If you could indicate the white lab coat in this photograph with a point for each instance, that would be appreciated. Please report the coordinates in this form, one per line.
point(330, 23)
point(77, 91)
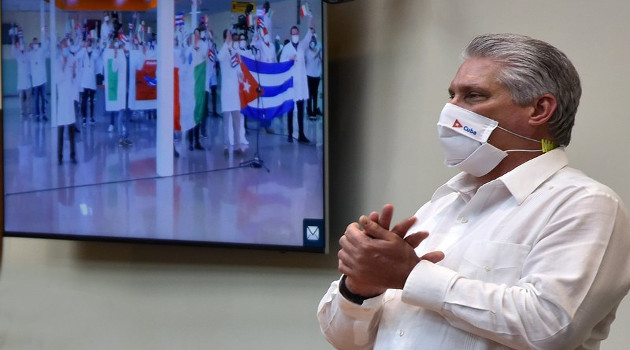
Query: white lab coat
point(66, 76)
point(314, 61)
point(289, 52)
point(88, 63)
point(23, 68)
point(186, 87)
point(211, 69)
point(264, 52)
point(37, 58)
point(230, 100)
point(106, 29)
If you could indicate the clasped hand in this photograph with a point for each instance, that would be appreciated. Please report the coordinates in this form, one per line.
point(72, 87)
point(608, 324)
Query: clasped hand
point(375, 258)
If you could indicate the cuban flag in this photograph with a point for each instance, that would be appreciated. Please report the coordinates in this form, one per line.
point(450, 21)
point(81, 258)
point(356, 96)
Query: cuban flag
point(260, 23)
point(276, 89)
point(179, 19)
point(235, 60)
point(212, 56)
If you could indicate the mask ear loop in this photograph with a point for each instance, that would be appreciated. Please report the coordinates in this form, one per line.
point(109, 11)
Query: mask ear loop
point(546, 145)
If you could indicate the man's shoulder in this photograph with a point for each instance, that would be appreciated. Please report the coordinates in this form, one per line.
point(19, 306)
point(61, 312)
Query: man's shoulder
point(575, 180)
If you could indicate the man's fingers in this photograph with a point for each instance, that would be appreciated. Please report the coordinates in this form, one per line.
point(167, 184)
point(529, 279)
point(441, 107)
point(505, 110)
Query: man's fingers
point(373, 229)
point(416, 238)
point(387, 213)
point(433, 257)
point(402, 227)
point(373, 216)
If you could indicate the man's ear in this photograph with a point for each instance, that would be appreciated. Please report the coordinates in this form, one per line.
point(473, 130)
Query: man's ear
point(544, 107)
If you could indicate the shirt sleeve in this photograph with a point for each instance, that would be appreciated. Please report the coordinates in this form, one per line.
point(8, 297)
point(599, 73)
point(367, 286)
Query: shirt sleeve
point(347, 325)
point(570, 282)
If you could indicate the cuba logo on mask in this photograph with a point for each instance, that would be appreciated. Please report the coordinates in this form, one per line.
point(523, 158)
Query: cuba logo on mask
point(468, 129)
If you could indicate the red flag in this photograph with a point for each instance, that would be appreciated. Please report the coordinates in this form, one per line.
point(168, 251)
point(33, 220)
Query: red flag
point(247, 87)
point(177, 126)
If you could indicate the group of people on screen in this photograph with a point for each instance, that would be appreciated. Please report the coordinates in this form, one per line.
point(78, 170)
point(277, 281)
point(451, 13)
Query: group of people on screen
point(88, 59)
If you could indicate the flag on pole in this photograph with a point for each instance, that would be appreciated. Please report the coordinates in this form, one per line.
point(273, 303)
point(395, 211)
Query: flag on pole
point(276, 89)
point(212, 56)
point(305, 11)
point(260, 23)
point(235, 60)
point(179, 19)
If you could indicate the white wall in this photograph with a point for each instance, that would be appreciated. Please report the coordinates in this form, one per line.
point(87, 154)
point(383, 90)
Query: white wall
point(390, 66)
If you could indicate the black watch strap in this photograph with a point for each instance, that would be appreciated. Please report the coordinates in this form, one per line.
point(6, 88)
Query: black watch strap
point(355, 298)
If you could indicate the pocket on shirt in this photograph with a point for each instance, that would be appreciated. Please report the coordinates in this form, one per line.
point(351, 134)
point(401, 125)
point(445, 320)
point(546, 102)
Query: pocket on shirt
point(495, 262)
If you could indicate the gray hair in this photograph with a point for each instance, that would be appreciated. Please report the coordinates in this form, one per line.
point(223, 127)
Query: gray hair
point(532, 68)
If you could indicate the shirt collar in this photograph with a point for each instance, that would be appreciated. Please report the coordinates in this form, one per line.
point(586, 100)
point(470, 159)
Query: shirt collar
point(527, 177)
point(521, 181)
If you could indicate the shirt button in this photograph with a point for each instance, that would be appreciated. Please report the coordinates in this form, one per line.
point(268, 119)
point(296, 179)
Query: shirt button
point(488, 268)
point(463, 219)
point(401, 332)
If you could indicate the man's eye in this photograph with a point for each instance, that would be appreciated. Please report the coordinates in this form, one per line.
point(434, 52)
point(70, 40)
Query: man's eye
point(474, 96)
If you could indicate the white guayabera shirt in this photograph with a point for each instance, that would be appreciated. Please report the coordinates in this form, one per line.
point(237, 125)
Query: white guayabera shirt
point(537, 259)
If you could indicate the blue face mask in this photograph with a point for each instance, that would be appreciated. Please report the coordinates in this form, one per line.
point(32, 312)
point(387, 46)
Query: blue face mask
point(65, 52)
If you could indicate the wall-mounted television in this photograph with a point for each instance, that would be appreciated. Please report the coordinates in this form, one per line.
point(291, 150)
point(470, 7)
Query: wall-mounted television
point(238, 179)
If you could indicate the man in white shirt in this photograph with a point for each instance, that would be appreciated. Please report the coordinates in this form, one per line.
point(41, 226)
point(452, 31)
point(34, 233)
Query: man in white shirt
point(37, 56)
point(24, 85)
point(313, 58)
point(295, 51)
point(518, 251)
point(87, 61)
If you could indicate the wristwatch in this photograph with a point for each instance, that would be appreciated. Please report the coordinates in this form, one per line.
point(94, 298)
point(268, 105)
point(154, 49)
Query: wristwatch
point(355, 298)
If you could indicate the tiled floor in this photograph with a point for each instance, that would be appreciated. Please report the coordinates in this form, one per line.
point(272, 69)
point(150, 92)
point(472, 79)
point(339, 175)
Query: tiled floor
point(114, 191)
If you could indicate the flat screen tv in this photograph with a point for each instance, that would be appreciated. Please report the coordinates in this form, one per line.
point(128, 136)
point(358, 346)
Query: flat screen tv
point(267, 191)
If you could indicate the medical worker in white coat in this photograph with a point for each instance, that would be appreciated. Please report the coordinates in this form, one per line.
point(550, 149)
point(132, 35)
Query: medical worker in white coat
point(37, 57)
point(265, 51)
point(18, 49)
point(87, 59)
point(229, 60)
point(295, 51)
point(65, 66)
point(313, 75)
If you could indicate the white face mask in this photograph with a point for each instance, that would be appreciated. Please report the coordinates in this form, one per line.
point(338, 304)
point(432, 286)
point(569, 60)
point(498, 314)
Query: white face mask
point(242, 44)
point(295, 39)
point(464, 137)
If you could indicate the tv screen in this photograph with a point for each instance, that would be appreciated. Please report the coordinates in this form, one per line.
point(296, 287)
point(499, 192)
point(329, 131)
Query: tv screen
point(246, 151)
